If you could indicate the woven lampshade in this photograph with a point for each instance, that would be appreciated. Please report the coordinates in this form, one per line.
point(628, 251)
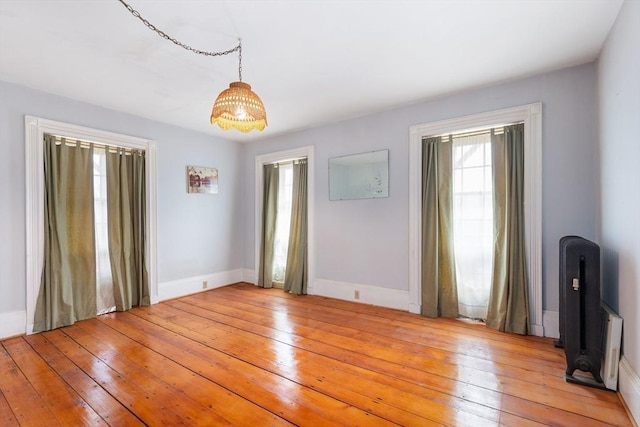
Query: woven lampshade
point(238, 107)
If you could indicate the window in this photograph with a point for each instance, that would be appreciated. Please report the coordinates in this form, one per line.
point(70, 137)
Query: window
point(283, 157)
point(35, 127)
point(473, 222)
point(283, 222)
point(105, 301)
point(531, 115)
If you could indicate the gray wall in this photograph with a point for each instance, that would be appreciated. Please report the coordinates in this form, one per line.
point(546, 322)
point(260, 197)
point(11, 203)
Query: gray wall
point(197, 234)
point(619, 144)
point(366, 241)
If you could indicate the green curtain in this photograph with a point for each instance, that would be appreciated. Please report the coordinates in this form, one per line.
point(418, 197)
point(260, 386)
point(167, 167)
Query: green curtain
point(295, 278)
point(508, 303)
point(68, 283)
point(271, 178)
point(126, 224)
point(439, 292)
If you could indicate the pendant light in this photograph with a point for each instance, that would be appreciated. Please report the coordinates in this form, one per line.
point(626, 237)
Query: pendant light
point(236, 107)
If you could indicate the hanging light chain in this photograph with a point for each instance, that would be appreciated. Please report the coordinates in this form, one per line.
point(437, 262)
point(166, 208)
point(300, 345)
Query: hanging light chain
point(240, 60)
point(165, 36)
point(237, 107)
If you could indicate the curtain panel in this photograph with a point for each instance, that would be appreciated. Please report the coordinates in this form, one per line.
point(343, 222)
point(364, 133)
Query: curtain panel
point(126, 226)
point(68, 290)
point(439, 293)
point(271, 179)
point(508, 309)
point(296, 276)
point(68, 283)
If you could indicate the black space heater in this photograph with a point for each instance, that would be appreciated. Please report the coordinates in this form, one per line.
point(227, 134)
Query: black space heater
point(580, 316)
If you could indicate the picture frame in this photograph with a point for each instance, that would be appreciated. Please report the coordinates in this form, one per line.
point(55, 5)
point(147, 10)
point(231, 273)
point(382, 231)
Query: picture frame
point(202, 180)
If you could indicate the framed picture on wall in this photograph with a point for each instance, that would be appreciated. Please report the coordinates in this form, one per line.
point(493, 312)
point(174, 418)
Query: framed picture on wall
point(202, 180)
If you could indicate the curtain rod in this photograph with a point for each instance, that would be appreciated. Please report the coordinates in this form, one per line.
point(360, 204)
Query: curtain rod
point(85, 144)
point(286, 161)
point(476, 132)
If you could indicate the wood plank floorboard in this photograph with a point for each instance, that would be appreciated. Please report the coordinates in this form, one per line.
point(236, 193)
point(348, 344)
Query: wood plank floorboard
point(242, 355)
point(26, 404)
point(6, 414)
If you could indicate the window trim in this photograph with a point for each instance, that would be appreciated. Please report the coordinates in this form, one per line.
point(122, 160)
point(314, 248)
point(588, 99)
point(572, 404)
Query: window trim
point(280, 157)
point(531, 115)
point(35, 128)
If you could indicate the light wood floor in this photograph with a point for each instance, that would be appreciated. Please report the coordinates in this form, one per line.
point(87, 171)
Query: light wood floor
point(242, 355)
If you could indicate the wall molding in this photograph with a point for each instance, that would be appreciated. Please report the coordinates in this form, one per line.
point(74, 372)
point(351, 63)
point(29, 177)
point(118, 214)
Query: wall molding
point(531, 114)
point(192, 285)
point(375, 295)
point(629, 388)
point(249, 276)
point(12, 323)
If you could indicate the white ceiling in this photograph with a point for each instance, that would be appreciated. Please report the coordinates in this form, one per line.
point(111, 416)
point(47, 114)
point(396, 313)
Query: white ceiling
point(311, 62)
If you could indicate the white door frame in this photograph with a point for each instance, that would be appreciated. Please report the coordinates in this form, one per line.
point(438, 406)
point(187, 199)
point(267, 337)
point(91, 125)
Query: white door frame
point(35, 128)
point(278, 157)
point(531, 115)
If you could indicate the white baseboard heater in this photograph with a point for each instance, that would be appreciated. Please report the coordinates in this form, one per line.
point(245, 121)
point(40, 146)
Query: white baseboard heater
point(612, 337)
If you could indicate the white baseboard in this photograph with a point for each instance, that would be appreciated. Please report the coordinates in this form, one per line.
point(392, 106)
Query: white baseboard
point(249, 276)
point(192, 285)
point(394, 298)
point(13, 323)
point(536, 330)
point(629, 388)
point(383, 297)
point(551, 323)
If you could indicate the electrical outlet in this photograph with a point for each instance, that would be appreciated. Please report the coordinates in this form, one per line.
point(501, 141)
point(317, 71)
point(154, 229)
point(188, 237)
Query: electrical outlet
point(205, 284)
point(356, 294)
